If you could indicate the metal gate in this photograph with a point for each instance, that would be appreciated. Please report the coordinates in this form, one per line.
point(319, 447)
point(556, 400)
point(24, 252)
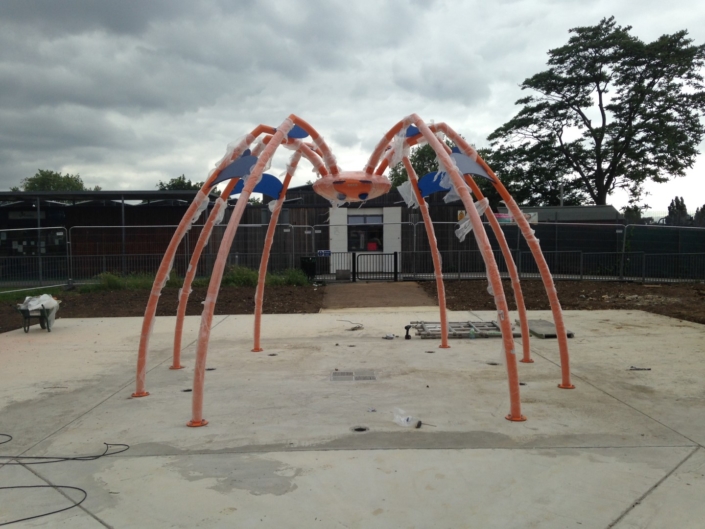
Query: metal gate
point(376, 267)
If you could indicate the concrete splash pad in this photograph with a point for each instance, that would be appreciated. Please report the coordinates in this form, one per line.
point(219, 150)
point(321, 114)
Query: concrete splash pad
point(280, 451)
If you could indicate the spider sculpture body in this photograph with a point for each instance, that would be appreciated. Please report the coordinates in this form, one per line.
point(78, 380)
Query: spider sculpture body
point(243, 169)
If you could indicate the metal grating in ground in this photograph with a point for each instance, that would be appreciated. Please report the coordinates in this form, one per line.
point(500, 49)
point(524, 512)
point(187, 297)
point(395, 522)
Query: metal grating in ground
point(353, 376)
point(460, 329)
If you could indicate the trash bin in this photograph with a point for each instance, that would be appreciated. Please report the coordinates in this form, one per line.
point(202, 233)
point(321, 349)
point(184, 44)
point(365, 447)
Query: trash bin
point(308, 265)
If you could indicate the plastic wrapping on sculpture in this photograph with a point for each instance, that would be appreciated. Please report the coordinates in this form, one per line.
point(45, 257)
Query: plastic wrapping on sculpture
point(203, 204)
point(328, 158)
point(465, 224)
point(407, 193)
point(220, 207)
point(220, 215)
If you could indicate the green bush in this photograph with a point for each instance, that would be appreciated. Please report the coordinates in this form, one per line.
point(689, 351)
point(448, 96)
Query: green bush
point(234, 276)
point(292, 276)
point(239, 276)
point(200, 282)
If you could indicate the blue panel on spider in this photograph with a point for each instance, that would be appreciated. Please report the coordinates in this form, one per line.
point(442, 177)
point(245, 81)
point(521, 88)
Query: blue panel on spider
point(429, 184)
point(237, 169)
point(469, 166)
point(411, 131)
point(297, 133)
point(269, 185)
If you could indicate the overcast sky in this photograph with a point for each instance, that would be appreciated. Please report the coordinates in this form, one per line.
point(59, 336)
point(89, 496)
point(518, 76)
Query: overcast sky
point(127, 93)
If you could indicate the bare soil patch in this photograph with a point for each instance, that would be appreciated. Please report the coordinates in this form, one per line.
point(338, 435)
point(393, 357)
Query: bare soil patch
point(231, 300)
point(685, 301)
point(376, 294)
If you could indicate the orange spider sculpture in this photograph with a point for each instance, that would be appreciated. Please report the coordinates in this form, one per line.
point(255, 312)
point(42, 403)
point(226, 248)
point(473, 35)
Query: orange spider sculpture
point(242, 168)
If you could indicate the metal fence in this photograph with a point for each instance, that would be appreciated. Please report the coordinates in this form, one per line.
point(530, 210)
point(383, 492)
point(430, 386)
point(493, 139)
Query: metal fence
point(47, 256)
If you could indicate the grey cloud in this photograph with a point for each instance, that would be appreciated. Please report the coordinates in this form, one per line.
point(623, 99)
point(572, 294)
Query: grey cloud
point(69, 16)
point(127, 93)
point(444, 79)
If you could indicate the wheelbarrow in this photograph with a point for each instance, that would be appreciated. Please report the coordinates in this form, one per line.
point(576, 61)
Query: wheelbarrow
point(42, 308)
point(41, 314)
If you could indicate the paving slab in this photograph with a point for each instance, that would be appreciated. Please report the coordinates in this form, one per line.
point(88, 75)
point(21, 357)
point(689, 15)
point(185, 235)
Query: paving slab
point(677, 502)
point(281, 445)
point(22, 502)
point(609, 343)
point(390, 488)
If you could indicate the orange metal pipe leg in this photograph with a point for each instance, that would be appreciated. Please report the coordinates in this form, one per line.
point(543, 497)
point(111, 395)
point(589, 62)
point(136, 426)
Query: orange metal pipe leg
point(535, 251)
point(159, 281)
point(261, 280)
point(492, 269)
point(433, 244)
point(217, 274)
point(513, 272)
point(168, 259)
point(191, 272)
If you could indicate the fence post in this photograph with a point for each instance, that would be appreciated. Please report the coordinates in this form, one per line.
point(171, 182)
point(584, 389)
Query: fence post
point(354, 267)
point(643, 268)
point(124, 253)
point(69, 253)
point(396, 267)
point(413, 254)
point(39, 242)
point(293, 244)
point(624, 245)
point(519, 263)
point(581, 266)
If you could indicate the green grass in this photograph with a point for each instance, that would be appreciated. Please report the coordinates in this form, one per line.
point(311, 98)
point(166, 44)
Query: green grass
point(234, 276)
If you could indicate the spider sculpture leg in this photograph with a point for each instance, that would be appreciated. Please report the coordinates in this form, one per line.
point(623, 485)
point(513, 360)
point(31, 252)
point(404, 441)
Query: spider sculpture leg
point(512, 269)
point(535, 248)
point(259, 293)
point(482, 242)
point(435, 254)
point(495, 280)
point(203, 237)
point(219, 267)
point(190, 216)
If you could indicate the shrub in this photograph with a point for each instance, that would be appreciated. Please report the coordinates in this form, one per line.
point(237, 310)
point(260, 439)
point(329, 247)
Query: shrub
point(239, 276)
point(295, 277)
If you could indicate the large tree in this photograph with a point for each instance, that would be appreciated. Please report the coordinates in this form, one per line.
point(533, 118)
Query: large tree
point(611, 112)
point(45, 180)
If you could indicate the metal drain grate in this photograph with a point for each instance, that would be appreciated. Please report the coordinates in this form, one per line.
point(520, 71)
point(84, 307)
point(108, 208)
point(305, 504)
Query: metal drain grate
point(349, 376)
